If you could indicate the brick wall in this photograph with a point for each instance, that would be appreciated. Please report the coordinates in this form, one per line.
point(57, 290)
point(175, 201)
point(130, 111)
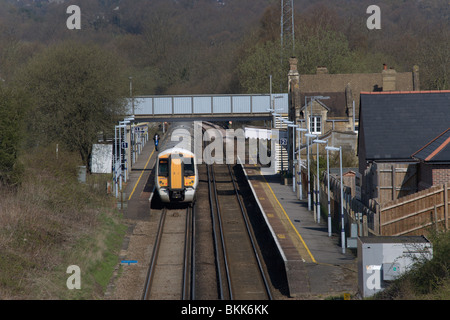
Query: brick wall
point(441, 174)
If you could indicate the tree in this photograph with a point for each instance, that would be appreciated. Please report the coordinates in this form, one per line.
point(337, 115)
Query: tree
point(324, 47)
point(76, 90)
point(11, 117)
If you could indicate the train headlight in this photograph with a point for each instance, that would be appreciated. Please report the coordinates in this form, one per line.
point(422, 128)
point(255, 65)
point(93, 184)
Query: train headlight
point(163, 182)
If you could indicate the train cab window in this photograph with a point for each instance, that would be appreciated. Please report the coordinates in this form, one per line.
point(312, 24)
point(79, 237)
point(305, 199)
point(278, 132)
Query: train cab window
point(163, 169)
point(189, 169)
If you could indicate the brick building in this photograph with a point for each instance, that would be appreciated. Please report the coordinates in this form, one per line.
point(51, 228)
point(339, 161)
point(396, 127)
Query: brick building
point(403, 143)
point(337, 117)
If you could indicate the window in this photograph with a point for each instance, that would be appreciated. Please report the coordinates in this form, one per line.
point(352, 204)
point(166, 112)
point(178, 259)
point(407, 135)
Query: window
point(315, 124)
point(189, 169)
point(163, 169)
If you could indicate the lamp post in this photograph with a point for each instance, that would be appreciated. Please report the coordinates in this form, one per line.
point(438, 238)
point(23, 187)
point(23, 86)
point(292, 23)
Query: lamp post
point(118, 160)
point(317, 141)
point(122, 124)
point(309, 135)
point(342, 196)
point(328, 192)
point(294, 127)
point(300, 130)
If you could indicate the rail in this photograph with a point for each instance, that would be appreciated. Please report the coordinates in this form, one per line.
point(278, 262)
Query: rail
point(237, 258)
point(167, 234)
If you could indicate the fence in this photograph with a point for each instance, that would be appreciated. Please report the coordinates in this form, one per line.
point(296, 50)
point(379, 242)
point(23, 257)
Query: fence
point(415, 214)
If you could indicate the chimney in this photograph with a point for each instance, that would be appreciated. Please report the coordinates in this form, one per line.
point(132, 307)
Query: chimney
point(293, 75)
point(293, 64)
point(389, 78)
point(293, 89)
point(321, 70)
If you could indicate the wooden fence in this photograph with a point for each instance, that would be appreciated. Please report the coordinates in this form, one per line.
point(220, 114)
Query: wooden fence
point(415, 214)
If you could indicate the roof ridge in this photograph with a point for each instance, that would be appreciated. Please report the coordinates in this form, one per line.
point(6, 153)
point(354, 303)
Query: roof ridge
point(405, 92)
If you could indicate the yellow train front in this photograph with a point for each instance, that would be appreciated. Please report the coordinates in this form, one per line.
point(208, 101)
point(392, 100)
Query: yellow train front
point(176, 169)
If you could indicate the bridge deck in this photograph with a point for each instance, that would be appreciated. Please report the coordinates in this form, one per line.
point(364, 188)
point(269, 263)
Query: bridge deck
point(207, 107)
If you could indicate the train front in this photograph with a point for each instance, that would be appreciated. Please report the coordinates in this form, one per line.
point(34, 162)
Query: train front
point(177, 176)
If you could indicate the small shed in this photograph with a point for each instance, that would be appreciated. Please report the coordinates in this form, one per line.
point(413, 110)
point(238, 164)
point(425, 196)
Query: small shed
point(385, 258)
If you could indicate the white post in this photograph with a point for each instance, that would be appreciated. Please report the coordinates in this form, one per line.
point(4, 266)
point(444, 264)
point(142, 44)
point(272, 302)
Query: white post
point(309, 183)
point(115, 161)
point(342, 198)
point(308, 135)
point(300, 130)
point(328, 192)
point(293, 157)
point(342, 203)
point(318, 186)
point(318, 180)
point(294, 127)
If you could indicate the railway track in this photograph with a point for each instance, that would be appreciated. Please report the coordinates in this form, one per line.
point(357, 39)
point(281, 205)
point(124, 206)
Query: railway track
point(239, 270)
point(171, 275)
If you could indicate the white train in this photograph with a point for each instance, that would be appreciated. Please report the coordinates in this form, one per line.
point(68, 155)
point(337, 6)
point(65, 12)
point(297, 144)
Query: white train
point(176, 177)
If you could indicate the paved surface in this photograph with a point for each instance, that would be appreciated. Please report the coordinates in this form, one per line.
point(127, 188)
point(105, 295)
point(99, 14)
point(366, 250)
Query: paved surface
point(140, 184)
point(315, 264)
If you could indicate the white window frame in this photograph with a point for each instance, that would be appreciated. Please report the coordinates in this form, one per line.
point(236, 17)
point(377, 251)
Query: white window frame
point(315, 124)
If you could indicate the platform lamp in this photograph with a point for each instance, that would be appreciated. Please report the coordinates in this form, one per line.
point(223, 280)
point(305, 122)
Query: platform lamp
point(308, 136)
point(300, 130)
point(125, 124)
point(294, 127)
point(317, 141)
point(342, 197)
point(118, 160)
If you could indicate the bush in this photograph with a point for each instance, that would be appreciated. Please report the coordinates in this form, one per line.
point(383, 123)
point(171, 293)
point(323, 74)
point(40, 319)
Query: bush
point(428, 279)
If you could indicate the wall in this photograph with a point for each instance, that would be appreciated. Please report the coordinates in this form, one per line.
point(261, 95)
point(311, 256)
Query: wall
point(441, 174)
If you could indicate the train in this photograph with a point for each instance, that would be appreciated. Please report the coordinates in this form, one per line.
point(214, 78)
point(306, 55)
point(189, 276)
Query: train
point(176, 175)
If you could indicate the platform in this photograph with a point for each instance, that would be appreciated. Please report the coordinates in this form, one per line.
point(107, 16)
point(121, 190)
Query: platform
point(140, 185)
point(314, 262)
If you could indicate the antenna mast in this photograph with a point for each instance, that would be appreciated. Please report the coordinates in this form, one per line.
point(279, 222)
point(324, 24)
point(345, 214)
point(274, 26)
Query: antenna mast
point(287, 25)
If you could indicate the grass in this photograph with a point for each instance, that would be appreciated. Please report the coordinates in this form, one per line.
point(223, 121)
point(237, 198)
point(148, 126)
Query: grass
point(52, 221)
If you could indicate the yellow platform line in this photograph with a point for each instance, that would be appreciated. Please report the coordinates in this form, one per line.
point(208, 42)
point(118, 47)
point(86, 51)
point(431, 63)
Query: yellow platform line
point(290, 222)
point(141, 175)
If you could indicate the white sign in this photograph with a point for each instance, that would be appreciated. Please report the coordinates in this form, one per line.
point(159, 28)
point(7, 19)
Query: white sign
point(101, 161)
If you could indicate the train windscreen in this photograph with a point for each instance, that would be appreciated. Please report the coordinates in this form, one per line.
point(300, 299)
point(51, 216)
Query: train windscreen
point(163, 169)
point(189, 169)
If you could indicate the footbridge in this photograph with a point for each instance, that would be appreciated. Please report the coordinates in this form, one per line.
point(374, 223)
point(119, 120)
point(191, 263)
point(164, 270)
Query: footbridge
point(207, 107)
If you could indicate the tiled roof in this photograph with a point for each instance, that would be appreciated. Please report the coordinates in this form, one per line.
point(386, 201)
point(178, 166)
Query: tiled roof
point(436, 150)
point(394, 125)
